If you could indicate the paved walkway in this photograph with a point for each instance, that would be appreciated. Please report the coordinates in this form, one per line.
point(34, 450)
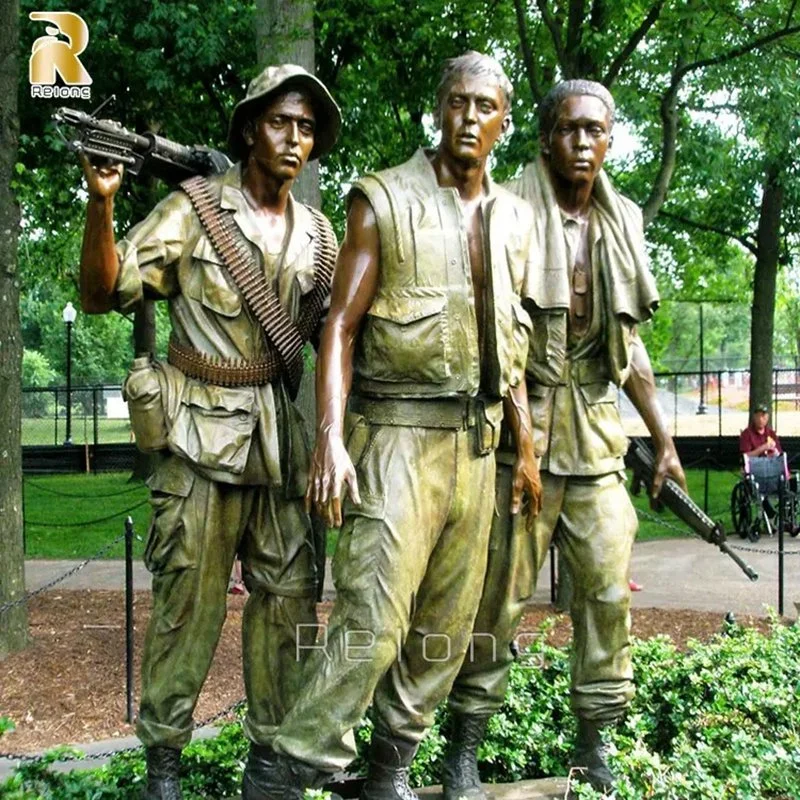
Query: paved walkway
point(675, 573)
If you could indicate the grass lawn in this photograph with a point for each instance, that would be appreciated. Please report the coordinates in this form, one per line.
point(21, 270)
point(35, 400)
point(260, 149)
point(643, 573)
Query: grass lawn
point(43, 430)
point(61, 512)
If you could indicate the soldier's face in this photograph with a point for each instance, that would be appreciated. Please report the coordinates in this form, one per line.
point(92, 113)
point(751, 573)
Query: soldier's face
point(577, 144)
point(282, 137)
point(473, 117)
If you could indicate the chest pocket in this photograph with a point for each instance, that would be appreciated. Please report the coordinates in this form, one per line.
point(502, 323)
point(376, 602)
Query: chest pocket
point(206, 281)
point(405, 338)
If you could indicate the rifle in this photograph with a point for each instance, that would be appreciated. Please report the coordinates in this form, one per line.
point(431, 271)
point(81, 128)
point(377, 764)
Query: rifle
point(106, 139)
point(676, 500)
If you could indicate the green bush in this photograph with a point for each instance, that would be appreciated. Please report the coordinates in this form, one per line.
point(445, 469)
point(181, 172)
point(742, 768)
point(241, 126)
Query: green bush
point(720, 720)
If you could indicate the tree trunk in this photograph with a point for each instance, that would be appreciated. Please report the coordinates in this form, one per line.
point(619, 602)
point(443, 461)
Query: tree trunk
point(14, 622)
point(285, 35)
point(764, 281)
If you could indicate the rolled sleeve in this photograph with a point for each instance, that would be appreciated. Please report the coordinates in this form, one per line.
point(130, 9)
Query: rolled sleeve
point(149, 254)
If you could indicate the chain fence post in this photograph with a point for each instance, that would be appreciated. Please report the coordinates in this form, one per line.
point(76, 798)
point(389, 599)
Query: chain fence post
point(129, 616)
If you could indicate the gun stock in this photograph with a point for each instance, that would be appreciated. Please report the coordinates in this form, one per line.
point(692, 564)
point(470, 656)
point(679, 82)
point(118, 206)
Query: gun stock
point(676, 500)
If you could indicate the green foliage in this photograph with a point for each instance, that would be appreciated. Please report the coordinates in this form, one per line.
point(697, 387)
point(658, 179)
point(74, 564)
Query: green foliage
point(717, 721)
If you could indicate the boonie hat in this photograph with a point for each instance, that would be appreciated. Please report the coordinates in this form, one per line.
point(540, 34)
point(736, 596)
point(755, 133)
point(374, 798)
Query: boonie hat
point(286, 78)
point(761, 409)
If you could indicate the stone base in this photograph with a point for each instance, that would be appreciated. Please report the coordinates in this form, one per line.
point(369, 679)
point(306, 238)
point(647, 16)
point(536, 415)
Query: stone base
point(542, 789)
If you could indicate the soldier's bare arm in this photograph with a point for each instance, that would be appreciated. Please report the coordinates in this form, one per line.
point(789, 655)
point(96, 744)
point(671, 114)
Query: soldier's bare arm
point(641, 389)
point(354, 284)
point(526, 468)
point(99, 262)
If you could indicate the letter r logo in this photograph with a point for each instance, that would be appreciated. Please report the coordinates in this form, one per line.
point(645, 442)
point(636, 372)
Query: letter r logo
point(51, 55)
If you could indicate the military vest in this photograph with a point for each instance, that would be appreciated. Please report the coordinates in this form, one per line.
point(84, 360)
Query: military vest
point(420, 335)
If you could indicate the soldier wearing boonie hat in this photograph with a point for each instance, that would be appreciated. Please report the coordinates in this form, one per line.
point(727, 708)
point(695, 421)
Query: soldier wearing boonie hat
point(234, 451)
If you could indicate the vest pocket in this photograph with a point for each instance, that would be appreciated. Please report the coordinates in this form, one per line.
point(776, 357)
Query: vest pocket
point(404, 338)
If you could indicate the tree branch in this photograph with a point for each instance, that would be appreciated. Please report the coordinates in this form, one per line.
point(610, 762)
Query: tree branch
point(555, 32)
point(527, 52)
point(736, 52)
point(704, 226)
point(215, 101)
point(633, 42)
point(575, 14)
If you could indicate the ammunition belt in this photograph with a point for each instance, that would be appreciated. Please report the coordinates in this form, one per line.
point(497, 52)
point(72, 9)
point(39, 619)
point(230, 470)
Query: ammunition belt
point(222, 371)
point(285, 338)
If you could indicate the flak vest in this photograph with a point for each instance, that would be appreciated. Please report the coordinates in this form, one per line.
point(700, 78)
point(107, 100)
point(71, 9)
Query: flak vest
point(420, 335)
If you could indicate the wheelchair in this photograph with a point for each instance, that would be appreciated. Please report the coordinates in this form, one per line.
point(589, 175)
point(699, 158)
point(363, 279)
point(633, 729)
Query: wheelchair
point(755, 500)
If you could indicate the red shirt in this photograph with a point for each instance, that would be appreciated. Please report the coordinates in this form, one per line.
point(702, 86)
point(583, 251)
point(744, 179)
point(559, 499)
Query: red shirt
point(750, 439)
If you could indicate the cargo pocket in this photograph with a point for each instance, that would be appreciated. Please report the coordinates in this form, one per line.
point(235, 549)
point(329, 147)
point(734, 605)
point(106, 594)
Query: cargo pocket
point(171, 545)
point(548, 346)
point(405, 338)
point(214, 427)
point(540, 399)
point(602, 412)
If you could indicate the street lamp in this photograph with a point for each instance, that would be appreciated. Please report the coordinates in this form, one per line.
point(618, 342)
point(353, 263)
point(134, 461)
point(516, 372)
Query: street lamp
point(69, 314)
point(702, 408)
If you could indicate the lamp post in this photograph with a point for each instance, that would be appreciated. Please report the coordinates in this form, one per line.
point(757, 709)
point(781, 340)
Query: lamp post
point(702, 408)
point(69, 314)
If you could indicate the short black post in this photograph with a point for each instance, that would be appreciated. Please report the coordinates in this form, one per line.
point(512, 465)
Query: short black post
point(781, 525)
point(129, 615)
point(705, 484)
point(553, 576)
point(95, 422)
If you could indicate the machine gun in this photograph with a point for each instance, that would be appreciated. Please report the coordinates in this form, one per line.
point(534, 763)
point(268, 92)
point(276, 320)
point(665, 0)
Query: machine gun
point(145, 153)
point(676, 500)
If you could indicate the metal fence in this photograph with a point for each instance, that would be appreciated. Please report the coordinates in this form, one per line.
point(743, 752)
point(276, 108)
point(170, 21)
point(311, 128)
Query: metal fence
point(100, 416)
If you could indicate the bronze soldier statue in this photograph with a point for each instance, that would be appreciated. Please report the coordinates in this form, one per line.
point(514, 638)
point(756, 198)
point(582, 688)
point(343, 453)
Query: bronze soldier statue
point(588, 289)
point(424, 338)
point(245, 270)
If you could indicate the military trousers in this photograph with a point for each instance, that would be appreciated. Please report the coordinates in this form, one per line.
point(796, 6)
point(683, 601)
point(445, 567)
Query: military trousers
point(198, 526)
point(408, 569)
point(594, 525)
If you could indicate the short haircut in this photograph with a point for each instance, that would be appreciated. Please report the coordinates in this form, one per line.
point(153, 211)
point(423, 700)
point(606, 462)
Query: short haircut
point(471, 63)
point(548, 108)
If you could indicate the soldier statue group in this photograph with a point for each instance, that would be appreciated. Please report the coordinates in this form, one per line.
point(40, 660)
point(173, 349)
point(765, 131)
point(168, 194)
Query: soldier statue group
point(471, 342)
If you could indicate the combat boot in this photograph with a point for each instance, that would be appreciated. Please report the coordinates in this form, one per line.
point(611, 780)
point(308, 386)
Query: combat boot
point(163, 774)
point(589, 757)
point(387, 778)
point(460, 776)
point(273, 776)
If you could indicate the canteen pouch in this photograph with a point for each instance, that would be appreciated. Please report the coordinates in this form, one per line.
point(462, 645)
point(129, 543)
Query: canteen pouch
point(143, 392)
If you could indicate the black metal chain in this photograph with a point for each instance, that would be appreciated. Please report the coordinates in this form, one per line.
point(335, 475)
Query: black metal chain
point(684, 531)
point(29, 757)
point(87, 523)
point(42, 488)
point(26, 597)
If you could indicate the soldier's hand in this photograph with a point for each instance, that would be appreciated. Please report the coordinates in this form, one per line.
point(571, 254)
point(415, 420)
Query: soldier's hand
point(331, 470)
point(668, 465)
point(102, 181)
point(526, 481)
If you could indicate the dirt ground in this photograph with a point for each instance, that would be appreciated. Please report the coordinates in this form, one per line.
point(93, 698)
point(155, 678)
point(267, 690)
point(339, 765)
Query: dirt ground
point(68, 687)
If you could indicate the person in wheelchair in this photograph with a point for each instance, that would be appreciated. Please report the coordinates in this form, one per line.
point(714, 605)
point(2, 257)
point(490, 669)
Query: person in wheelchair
point(758, 439)
point(764, 462)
